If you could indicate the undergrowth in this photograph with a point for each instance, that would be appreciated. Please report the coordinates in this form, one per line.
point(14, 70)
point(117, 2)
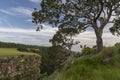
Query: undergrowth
point(92, 68)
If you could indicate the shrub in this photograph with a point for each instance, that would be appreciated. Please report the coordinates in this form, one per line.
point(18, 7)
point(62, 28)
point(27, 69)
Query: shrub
point(88, 51)
point(22, 49)
point(117, 45)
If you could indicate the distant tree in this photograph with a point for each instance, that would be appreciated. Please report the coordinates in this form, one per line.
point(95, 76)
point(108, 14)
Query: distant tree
point(80, 14)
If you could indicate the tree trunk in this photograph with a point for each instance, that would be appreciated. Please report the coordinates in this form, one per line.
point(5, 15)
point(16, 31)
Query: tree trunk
point(99, 40)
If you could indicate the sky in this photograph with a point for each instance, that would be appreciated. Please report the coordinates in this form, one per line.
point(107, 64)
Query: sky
point(16, 26)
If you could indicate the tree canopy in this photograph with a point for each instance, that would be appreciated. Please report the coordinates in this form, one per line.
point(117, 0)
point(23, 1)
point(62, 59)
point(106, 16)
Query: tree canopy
point(64, 37)
point(80, 14)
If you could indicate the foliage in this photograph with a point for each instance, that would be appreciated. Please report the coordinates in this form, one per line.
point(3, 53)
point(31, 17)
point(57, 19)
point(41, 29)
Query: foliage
point(117, 45)
point(93, 68)
point(22, 49)
point(79, 15)
point(64, 38)
point(52, 59)
point(115, 30)
point(88, 51)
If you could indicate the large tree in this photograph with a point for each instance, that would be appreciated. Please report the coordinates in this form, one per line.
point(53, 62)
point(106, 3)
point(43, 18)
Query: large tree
point(80, 14)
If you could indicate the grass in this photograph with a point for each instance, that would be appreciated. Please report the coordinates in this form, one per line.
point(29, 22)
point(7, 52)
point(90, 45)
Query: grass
point(13, 52)
point(92, 69)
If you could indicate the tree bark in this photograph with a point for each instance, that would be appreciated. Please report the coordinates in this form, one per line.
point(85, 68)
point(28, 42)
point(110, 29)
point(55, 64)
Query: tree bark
point(99, 40)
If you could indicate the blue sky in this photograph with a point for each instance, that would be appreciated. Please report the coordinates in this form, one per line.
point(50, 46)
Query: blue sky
point(16, 26)
point(17, 13)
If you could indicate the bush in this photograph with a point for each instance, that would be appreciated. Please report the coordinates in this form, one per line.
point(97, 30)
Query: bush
point(92, 68)
point(88, 51)
point(22, 49)
point(35, 50)
point(117, 45)
point(77, 55)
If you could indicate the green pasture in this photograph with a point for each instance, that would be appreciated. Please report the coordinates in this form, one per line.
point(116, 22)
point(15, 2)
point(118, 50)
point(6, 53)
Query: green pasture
point(14, 52)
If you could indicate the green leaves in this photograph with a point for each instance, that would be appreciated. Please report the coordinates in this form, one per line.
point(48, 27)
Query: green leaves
point(64, 37)
point(115, 30)
point(77, 15)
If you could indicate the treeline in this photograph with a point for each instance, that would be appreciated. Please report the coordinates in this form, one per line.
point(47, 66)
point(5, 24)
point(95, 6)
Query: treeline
point(23, 47)
point(15, 45)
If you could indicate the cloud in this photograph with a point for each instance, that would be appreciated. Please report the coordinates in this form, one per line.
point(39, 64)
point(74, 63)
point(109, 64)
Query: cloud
point(6, 12)
point(35, 1)
point(27, 36)
point(88, 38)
point(22, 10)
point(29, 20)
point(45, 31)
point(6, 22)
point(30, 36)
point(18, 11)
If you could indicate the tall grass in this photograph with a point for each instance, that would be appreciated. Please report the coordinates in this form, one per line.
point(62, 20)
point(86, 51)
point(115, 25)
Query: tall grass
point(92, 69)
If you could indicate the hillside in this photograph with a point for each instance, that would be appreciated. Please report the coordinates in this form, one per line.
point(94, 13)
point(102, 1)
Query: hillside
point(105, 66)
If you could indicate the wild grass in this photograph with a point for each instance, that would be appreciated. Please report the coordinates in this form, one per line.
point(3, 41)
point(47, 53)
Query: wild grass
point(13, 52)
point(92, 69)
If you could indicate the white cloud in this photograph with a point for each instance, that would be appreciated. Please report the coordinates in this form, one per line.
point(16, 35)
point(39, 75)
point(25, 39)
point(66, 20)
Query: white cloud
point(22, 10)
point(30, 36)
point(6, 12)
point(35, 1)
point(18, 11)
point(29, 20)
point(45, 32)
point(27, 36)
point(89, 38)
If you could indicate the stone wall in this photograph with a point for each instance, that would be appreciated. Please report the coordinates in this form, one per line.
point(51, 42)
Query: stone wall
point(20, 68)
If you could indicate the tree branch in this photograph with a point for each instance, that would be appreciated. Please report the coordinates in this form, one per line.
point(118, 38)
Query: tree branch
point(116, 7)
point(108, 18)
point(98, 15)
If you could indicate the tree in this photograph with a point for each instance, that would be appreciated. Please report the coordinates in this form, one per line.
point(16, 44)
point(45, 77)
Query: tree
point(52, 59)
point(80, 14)
point(64, 38)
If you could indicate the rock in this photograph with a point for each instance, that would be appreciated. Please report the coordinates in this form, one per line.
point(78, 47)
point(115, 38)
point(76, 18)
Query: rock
point(26, 67)
point(107, 58)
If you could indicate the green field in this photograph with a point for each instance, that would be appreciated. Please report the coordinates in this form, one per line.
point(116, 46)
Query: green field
point(13, 52)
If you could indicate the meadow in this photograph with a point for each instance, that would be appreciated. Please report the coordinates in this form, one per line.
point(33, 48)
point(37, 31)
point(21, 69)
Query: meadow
point(4, 52)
